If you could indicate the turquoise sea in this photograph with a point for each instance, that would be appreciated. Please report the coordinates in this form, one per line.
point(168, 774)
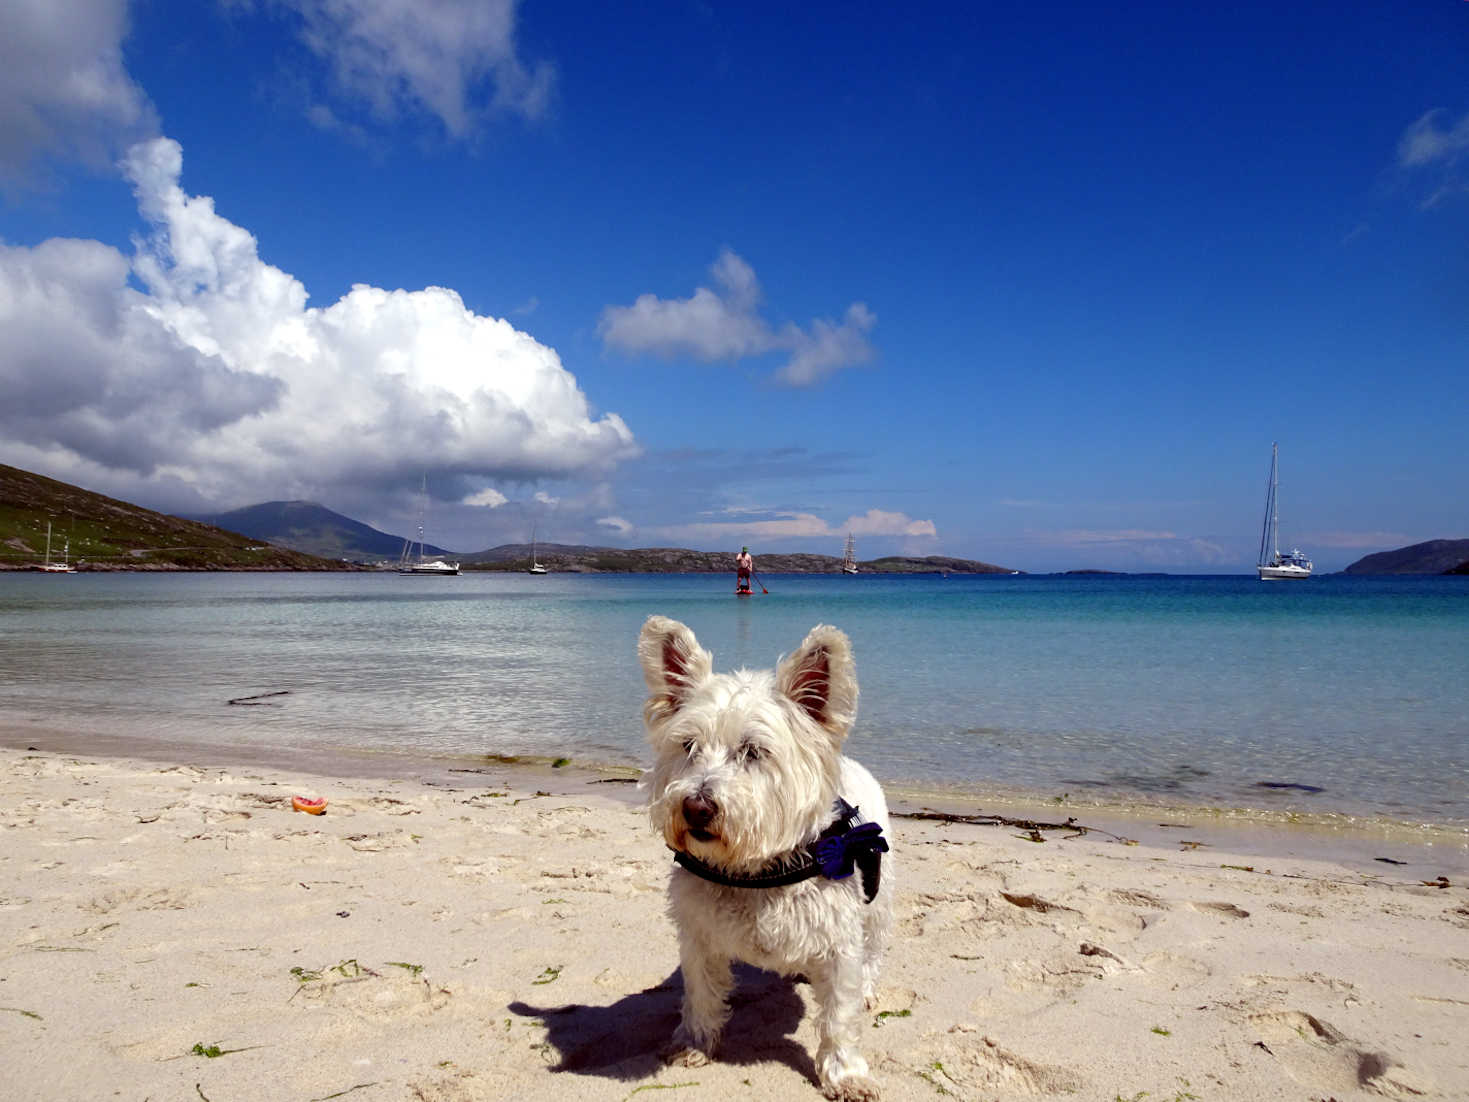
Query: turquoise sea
point(1339, 694)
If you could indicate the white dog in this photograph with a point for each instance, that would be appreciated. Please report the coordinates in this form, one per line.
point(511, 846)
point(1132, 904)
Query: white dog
point(778, 837)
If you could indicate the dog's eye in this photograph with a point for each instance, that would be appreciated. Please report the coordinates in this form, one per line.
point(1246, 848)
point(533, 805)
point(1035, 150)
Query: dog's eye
point(688, 747)
point(749, 752)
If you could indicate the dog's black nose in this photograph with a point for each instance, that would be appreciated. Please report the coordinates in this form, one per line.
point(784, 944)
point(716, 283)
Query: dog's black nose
point(699, 811)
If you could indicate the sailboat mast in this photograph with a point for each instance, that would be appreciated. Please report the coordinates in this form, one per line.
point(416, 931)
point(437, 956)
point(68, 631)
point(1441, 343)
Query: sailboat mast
point(1275, 499)
point(48, 543)
point(1266, 527)
point(1277, 566)
point(422, 512)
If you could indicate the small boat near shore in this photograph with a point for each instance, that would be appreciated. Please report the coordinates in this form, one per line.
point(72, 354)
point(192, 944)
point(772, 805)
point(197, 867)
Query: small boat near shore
point(535, 567)
point(60, 566)
point(1274, 566)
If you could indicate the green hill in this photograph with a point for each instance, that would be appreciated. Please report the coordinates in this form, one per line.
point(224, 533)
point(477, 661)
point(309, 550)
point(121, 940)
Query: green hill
point(106, 534)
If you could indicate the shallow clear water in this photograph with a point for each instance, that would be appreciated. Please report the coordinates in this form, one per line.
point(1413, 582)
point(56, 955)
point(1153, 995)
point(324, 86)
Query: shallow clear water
point(1198, 690)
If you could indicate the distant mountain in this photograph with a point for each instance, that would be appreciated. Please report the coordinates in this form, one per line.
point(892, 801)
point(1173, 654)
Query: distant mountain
point(1433, 557)
point(314, 529)
point(107, 534)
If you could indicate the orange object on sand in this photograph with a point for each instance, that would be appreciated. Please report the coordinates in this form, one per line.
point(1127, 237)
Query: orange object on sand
point(312, 805)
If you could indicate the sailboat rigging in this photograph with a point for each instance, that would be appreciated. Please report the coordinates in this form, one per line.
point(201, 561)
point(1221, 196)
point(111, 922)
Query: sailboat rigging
point(1272, 565)
point(63, 565)
point(535, 567)
point(417, 563)
point(849, 555)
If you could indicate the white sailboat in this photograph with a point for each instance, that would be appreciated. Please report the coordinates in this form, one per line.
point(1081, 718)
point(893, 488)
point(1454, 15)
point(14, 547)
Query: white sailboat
point(535, 567)
point(416, 562)
point(64, 565)
point(1272, 565)
point(849, 556)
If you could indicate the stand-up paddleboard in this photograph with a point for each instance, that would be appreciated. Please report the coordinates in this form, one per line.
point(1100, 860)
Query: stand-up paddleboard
point(743, 593)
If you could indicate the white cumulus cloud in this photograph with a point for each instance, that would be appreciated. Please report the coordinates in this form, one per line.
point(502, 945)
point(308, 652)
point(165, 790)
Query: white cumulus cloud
point(725, 324)
point(617, 524)
point(218, 380)
point(456, 60)
point(488, 497)
point(64, 90)
point(876, 522)
point(86, 367)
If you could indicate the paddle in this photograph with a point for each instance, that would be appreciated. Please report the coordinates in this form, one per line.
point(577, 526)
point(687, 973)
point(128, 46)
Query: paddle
point(759, 583)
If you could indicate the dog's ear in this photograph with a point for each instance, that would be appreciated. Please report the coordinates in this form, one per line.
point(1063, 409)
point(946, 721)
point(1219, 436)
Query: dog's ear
point(821, 679)
point(673, 664)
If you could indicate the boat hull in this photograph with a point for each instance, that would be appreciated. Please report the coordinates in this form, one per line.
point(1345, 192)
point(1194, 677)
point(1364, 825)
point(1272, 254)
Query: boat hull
point(1283, 573)
point(430, 569)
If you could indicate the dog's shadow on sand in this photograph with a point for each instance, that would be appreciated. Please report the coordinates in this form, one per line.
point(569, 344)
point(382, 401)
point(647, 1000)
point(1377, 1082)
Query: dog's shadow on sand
point(625, 1040)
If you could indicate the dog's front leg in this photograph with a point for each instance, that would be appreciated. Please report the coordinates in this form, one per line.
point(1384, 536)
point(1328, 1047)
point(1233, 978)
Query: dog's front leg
point(707, 981)
point(839, 1060)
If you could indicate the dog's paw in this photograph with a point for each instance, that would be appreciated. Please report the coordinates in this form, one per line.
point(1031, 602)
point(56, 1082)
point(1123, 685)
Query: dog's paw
point(852, 1088)
point(684, 1056)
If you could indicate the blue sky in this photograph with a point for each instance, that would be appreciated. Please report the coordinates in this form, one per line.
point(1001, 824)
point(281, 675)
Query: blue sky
point(1037, 285)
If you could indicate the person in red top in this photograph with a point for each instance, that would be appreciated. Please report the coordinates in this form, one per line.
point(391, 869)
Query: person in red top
point(744, 567)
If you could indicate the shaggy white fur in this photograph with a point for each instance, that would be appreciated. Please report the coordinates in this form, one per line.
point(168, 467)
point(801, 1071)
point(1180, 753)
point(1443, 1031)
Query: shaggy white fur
point(748, 766)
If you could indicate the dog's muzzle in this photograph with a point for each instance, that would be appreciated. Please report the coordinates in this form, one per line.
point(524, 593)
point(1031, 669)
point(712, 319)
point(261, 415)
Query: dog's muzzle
point(699, 812)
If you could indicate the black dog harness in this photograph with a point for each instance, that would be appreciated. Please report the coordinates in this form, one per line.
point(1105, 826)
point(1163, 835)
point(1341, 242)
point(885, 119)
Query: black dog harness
point(845, 846)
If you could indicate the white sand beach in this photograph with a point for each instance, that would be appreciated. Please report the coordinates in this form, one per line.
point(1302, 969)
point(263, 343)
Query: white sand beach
point(173, 930)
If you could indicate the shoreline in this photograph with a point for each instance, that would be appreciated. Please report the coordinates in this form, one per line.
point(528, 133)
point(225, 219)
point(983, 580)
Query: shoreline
point(351, 566)
point(1365, 844)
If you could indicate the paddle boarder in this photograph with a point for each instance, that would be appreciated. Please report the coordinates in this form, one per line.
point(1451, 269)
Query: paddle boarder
point(744, 567)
